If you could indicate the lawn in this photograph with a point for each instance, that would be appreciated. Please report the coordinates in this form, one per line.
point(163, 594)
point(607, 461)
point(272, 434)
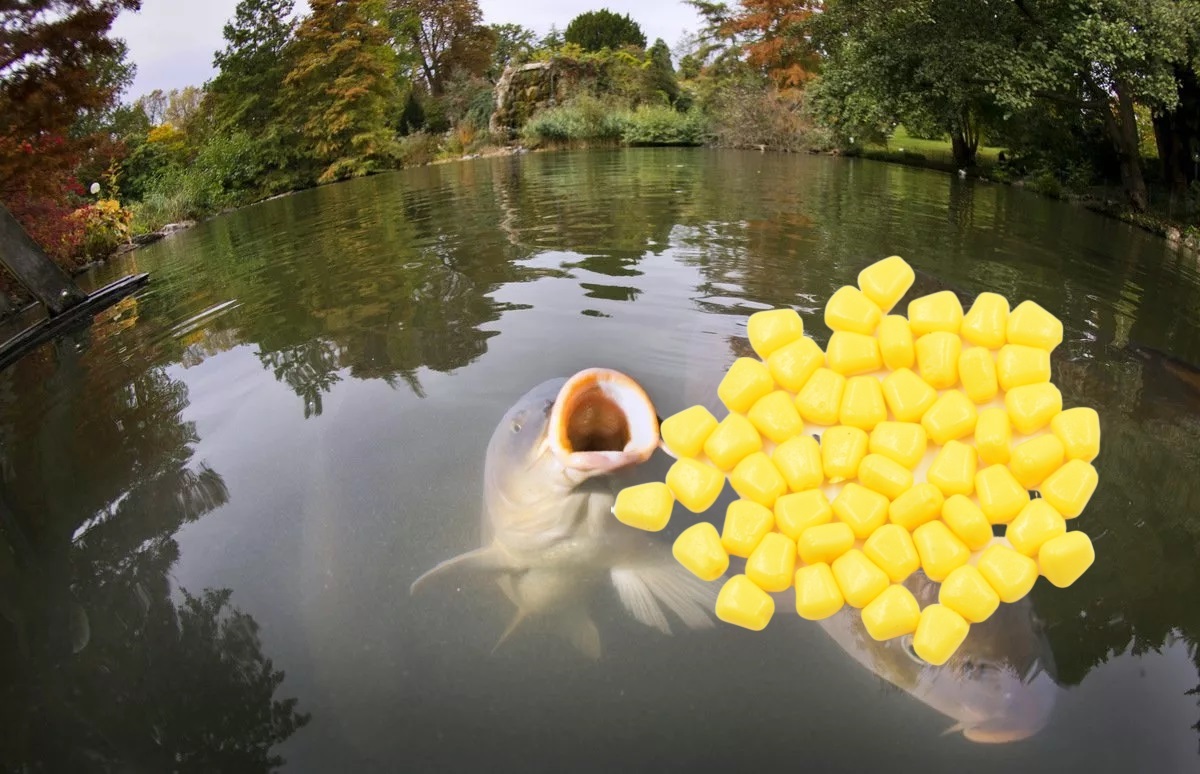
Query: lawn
point(934, 150)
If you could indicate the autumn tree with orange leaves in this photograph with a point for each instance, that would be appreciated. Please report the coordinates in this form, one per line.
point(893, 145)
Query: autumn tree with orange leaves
point(774, 39)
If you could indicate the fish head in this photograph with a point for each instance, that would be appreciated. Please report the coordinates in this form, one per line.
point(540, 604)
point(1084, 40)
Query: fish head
point(999, 685)
point(567, 432)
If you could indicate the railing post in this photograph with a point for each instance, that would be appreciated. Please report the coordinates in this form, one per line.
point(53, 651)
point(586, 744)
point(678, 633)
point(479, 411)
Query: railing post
point(48, 283)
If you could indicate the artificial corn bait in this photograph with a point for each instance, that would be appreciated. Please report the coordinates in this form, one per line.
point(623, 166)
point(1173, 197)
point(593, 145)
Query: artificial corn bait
point(685, 433)
point(744, 604)
point(772, 329)
point(935, 441)
point(645, 506)
point(699, 549)
point(775, 417)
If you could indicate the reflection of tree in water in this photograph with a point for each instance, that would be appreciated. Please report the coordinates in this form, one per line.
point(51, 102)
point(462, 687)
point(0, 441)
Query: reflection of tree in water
point(99, 670)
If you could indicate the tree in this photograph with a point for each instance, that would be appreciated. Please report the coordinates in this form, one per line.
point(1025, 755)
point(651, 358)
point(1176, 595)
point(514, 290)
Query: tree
point(662, 74)
point(447, 35)
point(253, 64)
point(513, 44)
point(775, 38)
point(596, 30)
point(341, 88)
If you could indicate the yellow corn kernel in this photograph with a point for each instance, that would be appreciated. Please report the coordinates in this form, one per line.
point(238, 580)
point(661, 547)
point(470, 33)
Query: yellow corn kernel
point(775, 416)
point(966, 592)
point(1064, 558)
point(940, 311)
point(1035, 524)
point(858, 578)
point(772, 565)
point(745, 382)
point(820, 401)
point(842, 449)
point(744, 604)
point(1018, 365)
point(952, 416)
point(940, 632)
point(993, 436)
point(1011, 574)
point(695, 485)
point(792, 365)
point(986, 325)
point(698, 548)
point(937, 359)
point(645, 506)
point(771, 329)
point(885, 282)
point(892, 549)
point(918, 505)
point(940, 551)
point(685, 433)
point(1032, 406)
point(895, 612)
point(907, 395)
point(904, 442)
point(1070, 487)
point(746, 524)
point(824, 542)
point(862, 403)
point(852, 353)
point(734, 439)
point(977, 370)
point(817, 592)
point(953, 469)
point(849, 310)
point(1079, 430)
point(967, 522)
point(1001, 497)
point(796, 512)
point(884, 475)
point(799, 462)
point(896, 343)
point(1035, 459)
point(865, 511)
point(756, 478)
point(1033, 326)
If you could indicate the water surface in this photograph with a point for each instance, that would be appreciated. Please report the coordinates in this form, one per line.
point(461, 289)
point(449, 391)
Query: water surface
point(215, 499)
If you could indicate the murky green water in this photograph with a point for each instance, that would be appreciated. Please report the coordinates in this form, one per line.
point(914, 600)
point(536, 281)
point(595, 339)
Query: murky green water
point(215, 500)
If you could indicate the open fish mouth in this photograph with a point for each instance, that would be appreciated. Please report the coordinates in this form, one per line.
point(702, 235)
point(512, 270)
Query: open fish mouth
point(602, 421)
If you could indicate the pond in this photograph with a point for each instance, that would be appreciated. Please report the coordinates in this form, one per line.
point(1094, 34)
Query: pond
point(215, 500)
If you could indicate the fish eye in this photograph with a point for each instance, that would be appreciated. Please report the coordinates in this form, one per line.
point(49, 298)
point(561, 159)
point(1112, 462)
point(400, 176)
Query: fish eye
point(516, 425)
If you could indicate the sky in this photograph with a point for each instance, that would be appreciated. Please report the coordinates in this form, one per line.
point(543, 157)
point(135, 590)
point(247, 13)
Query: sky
point(172, 41)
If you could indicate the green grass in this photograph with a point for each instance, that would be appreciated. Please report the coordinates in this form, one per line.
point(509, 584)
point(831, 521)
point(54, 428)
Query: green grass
point(934, 150)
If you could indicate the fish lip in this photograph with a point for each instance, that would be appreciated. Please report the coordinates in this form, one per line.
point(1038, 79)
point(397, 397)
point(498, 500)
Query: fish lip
point(628, 397)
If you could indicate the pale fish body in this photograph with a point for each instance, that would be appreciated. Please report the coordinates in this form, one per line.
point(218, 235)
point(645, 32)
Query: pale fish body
point(999, 686)
point(551, 474)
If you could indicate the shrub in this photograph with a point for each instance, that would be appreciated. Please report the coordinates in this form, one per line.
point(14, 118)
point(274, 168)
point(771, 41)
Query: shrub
point(106, 226)
point(584, 119)
point(661, 125)
point(746, 116)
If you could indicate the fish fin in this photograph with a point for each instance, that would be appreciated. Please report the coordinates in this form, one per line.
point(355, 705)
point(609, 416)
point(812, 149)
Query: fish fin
point(958, 728)
point(580, 630)
point(517, 619)
point(488, 558)
point(642, 588)
point(638, 599)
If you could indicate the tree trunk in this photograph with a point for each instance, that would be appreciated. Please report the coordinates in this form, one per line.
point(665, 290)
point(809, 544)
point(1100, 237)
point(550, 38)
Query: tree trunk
point(1177, 134)
point(964, 140)
point(1122, 130)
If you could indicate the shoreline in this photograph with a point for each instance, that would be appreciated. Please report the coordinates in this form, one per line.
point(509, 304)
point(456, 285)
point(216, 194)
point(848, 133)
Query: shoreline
point(1171, 231)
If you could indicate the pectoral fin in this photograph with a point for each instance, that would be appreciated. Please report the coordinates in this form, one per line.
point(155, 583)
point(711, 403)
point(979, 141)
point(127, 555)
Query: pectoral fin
point(491, 558)
point(580, 630)
point(645, 588)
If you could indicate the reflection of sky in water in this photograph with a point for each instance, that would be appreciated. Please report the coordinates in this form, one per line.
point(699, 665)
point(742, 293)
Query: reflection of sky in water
point(380, 330)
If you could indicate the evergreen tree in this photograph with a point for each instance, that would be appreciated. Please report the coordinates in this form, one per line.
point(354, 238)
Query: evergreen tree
point(596, 30)
point(662, 74)
point(253, 64)
point(341, 89)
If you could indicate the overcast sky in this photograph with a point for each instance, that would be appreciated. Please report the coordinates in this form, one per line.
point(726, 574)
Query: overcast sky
point(172, 41)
